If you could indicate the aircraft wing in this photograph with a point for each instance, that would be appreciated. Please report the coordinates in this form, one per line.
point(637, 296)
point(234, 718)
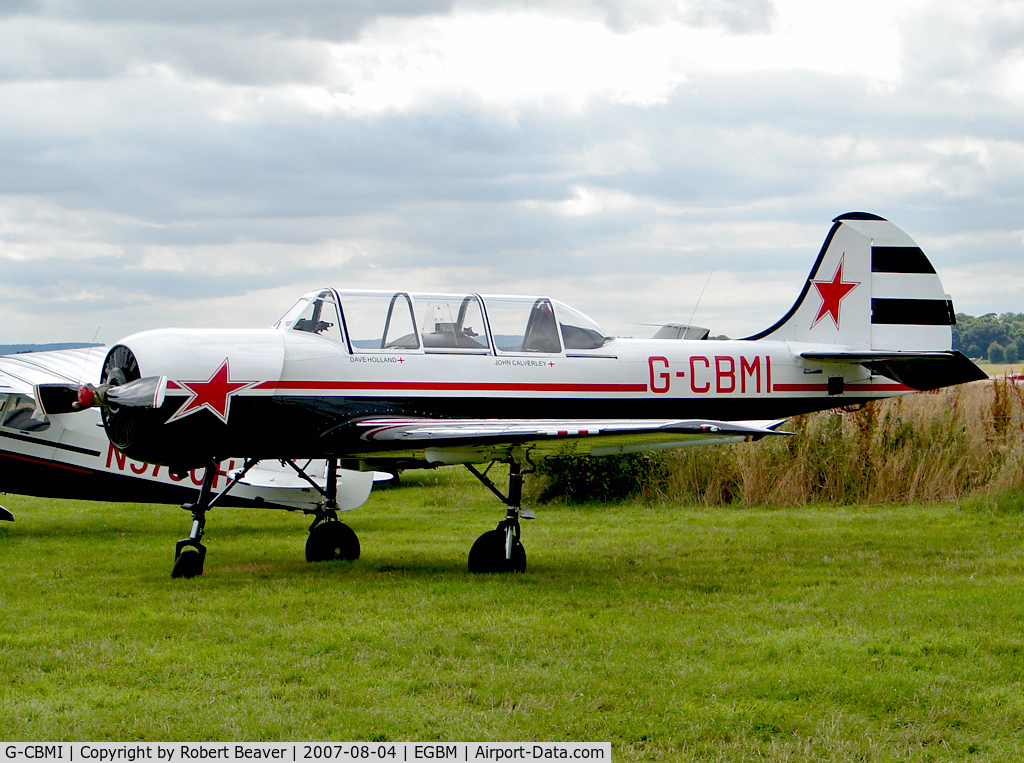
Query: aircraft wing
point(452, 441)
point(21, 372)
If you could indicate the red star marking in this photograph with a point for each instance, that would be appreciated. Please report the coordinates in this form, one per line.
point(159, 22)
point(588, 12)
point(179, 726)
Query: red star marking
point(832, 293)
point(214, 394)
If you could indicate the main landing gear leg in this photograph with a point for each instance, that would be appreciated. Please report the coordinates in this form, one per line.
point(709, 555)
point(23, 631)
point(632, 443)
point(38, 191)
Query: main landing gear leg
point(500, 550)
point(329, 537)
point(190, 553)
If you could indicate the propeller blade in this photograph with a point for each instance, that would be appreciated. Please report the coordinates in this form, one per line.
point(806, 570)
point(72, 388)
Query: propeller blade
point(142, 393)
point(58, 398)
point(68, 398)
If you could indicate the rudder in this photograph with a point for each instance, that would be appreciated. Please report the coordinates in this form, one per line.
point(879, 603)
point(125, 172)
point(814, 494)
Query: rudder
point(871, 288)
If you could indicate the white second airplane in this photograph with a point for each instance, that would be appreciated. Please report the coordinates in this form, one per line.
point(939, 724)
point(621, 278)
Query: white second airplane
point(66, 456)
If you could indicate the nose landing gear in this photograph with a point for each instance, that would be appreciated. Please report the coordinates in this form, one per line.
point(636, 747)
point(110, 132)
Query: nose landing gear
point(189, 553)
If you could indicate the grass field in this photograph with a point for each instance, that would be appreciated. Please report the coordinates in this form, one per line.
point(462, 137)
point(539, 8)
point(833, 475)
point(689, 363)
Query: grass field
point(999, 370)
point(824, 633)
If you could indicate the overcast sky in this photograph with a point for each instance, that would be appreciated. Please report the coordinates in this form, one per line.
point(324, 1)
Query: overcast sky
point(204, 162)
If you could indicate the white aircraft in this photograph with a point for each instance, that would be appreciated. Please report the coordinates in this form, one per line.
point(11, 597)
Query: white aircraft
point(376, 379)
point(64, 456)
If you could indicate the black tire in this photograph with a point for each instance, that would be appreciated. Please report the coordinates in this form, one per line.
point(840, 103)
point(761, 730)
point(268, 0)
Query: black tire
point(332, 540)
point(189, 563)
point(488, 554)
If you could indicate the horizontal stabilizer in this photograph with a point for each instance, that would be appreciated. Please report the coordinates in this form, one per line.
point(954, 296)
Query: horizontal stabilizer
point(917, 370)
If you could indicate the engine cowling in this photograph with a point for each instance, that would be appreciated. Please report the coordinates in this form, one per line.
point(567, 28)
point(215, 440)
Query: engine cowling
point(169, 432)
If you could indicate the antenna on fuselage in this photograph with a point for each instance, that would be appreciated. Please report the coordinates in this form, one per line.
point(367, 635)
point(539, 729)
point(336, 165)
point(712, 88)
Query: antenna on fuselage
point(88, 354)
point(700, 297)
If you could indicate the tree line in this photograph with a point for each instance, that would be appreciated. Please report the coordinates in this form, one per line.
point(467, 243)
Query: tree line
point(991, 337)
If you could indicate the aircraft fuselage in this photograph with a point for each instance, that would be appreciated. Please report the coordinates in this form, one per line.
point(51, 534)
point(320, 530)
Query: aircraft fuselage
point(274, 392)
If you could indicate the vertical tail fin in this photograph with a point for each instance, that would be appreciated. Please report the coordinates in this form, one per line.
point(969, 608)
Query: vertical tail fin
point(871, 288)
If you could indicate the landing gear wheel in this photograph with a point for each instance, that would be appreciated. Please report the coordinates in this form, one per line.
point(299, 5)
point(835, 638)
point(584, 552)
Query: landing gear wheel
point(488, 554)
point(189, 563)
point(332, 540)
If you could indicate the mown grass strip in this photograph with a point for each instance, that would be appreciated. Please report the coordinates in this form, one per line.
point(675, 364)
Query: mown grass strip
point(827, 633)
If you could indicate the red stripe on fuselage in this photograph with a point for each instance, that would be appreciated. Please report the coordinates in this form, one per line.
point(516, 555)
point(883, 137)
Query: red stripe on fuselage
point(44, 462)
point(447, 386)
point(848, 388)
point(350, 386)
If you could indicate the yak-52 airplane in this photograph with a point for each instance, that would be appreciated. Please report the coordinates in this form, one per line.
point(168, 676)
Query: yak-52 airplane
point(385, 379)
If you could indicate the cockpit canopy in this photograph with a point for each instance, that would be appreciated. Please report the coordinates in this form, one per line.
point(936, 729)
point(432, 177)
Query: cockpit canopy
point(382, 321)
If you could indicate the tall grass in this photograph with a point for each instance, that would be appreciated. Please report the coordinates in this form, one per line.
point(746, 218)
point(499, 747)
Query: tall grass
point(951, 444)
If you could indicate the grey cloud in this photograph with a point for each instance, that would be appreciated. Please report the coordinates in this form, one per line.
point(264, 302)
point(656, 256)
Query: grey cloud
point(737, 16)
point(110, 277)
point(232, 42)
point(201, 170)
point(313, 19)
point(724, 140)
point(452, 186)
point(31, 51)
point(20, 7)
point(942, 47)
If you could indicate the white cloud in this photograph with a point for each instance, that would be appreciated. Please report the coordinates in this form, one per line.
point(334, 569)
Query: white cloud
point(507, 60)
point(504, 60)
point(589, 201)
point(980, 289)
point(966, 47)
point(190, 163)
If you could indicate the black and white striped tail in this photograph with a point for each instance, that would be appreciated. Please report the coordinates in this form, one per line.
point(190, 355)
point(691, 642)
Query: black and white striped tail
point(871, 288)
